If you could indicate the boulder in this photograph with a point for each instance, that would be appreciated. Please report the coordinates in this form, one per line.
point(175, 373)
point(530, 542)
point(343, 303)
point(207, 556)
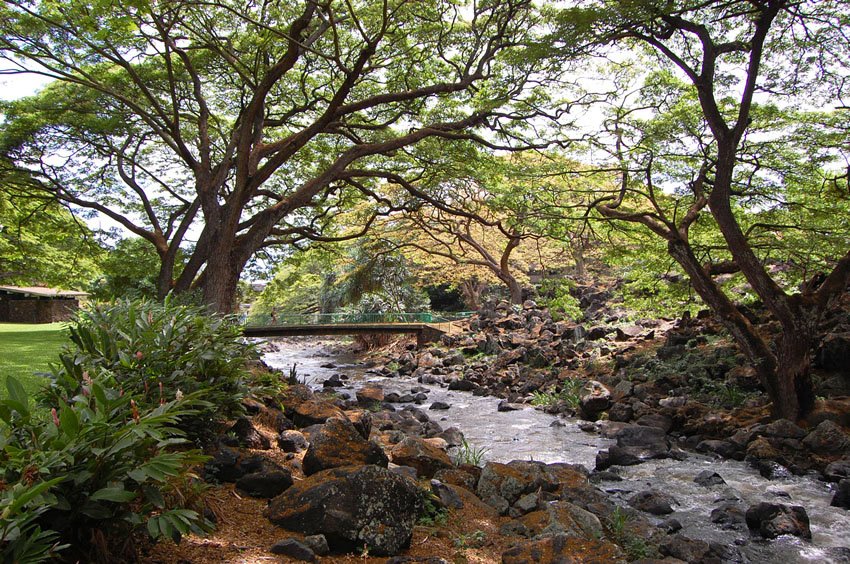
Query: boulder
point(827, 438)
point(783, 429)
point(352, 506)
point(563, 549)
point(593, 400)
point(726, 449)
point(439, 405)
point(501, 485)
point(653, 501)
point(420, 454)
point(635, 444)
point(560, 518)
point(842, 495)
point(447, 495)
point(291, 441)
point(730, 515)
point(337, 444)
point(685, 549)
point(838, 470)
point(457, 477)
point(370, 394)
point(708, 478)
point(621, 411)
point(318, 544)
point(658, 420)
point(244, 434)
point(770, 520)
point(228, 465)
point(293, 549)
point(313, 412)
point(266, 483)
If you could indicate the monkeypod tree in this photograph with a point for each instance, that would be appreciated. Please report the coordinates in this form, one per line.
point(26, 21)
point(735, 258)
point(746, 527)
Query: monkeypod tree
point(723, 136)
point(235, 125)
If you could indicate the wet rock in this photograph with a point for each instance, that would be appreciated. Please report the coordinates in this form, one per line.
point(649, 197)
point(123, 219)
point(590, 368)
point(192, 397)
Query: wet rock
point(635, 444)
point(685, 549)
point(339, 444)
point(772, 470)
point(463, 385)
point(265, 484)
point(291, 441)
point(707, 478)
point(670, 525)
point(604, 476)
point(563, 549)
point(420, 454)
point(244, 434)
point(318, 544)
point(771, 520)
point(729, 514)
point(838, 470)
point(827, 438)
point(505, 406)
point(653, 502)
point(594, 399)
point(452, 436)
point(842, 495)
point(367, 505)
point(726, 449)
point(439, 405)
point(293, 549)
point(333, 382)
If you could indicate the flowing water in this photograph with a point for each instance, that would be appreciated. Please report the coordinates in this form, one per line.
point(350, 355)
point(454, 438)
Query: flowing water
point(529, 434)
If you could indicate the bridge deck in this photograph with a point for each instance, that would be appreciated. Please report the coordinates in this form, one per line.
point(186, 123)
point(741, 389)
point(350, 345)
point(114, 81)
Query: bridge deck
point(424, 331)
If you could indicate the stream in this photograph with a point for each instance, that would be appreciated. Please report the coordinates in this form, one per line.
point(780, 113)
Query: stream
point(529, 434)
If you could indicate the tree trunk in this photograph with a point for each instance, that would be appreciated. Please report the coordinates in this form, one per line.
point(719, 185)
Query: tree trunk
point(516, 290)
point(471, 292)
point(220, 280)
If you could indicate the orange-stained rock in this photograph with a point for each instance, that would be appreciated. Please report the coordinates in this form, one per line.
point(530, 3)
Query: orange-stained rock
point(362, 421)
point(314, 411)
point(339, 444)
point(561, 549)
point(370, 394)
point(561, 517)
point(418, 453)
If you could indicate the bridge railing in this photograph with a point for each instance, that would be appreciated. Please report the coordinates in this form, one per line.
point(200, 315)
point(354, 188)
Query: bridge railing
point(282, 319)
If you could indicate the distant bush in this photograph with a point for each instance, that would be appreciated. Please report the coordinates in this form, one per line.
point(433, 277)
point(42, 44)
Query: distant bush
point(157, 351)
point(555, 295)
point(92, 472)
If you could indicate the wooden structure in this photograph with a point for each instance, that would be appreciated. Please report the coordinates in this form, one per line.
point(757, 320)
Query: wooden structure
point(37, 305)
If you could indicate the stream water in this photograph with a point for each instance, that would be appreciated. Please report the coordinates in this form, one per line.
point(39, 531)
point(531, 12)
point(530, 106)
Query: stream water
point(528, 434)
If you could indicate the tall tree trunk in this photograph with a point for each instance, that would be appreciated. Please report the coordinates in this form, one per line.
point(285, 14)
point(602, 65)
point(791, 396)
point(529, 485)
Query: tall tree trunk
point(220, 279)
point(471, 291)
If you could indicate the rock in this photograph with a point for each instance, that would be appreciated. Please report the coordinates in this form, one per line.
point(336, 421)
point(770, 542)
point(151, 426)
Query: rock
point(838, 470)
point(771, 520)
point(842, 495)
point(635, 444)
point(728, 514)
point(362, 421)
point(318, 544)
point(439, 405)
point(827, 438)
point(419, 454)
point(367, 505)
point(783, 429)
point(621, 412)
point(228, 465)
point(707, 478)
point(417, 560)
point(333, 382)
point(246, 435)
point(653, 501)
point(670, 525)
point(452, 436)
point(266, 483)
point(507, 406)
point(463, 385)
point(685, 549)
point(726, 449)
point(622, 390)
point(339, 444)
point(457, 477)
point(563, 549)
point(293, 549)
point(594, 399)
point(448, 496)
point(501, 485)
point(561, 518)
point(772, 470)
point(312, 412)
point(656, 420)
point(370, 394)
point(291, 441)
point(675, 401)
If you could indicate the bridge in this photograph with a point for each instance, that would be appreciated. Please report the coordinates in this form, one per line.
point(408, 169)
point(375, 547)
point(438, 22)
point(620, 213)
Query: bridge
point(426, 326)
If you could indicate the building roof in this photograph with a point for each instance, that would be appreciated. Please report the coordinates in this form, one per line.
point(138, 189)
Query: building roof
point(41, 292)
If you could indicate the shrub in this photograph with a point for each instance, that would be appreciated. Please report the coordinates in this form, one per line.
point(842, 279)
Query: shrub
point(156, 352)
point(92, 472)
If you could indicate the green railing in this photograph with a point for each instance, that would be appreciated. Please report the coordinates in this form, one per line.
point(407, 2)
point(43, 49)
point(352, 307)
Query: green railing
point(349, 318)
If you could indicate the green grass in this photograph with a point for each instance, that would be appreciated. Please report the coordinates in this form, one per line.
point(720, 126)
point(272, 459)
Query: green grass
point(26, 349)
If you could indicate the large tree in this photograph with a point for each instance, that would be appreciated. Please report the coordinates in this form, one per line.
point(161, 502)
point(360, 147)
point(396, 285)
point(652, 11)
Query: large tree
point(713, 138)
point(246, 122)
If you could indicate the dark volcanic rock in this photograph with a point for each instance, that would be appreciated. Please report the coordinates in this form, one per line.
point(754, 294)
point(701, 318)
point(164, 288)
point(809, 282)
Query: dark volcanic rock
point(653, 501)
point(339, 444)
point(842, 495)
point(293, 549)
point(266, 483)
point(707, 478)
point(247, 436)
point(770, 520)
point(422, 455)
point(349, 506)
point(563, 549)
point(827, 438)
point(291, 441)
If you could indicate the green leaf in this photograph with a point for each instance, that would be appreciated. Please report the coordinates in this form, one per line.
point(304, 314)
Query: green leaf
point(18, 394)
point(69, 422)
point(113, 493)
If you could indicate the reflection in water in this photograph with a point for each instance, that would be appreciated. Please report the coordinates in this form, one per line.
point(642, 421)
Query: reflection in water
point(527, 434)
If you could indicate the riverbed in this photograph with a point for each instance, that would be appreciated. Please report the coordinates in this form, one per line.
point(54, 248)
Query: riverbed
point(529, 434)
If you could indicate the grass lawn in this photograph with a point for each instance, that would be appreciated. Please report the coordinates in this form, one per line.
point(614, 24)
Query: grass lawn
point(25, 349)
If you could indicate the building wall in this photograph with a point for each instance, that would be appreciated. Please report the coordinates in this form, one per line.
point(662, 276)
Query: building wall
point(30, 310)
